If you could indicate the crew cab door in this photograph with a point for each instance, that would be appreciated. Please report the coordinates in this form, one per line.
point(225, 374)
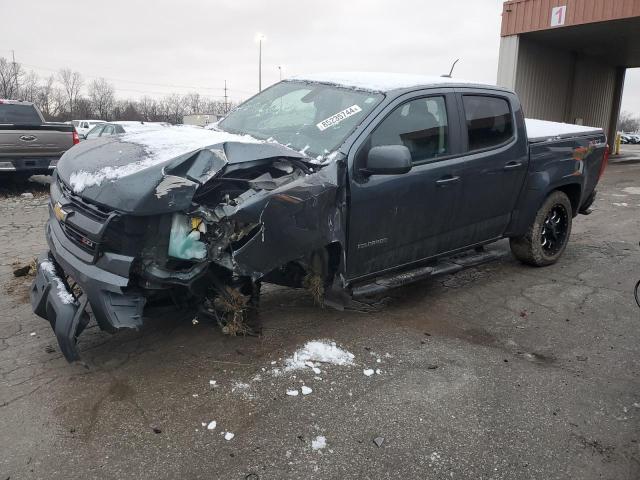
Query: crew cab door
point(398, 219)
point(493, 165)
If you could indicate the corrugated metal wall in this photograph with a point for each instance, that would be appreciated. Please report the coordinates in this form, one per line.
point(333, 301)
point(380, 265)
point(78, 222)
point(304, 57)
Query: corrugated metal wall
point(519, 16)
point(543, 80)
point(593, 93)
point(555, 84)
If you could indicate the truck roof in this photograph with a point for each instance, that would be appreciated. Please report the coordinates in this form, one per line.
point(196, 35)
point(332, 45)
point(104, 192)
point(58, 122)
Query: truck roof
point(383, 82)
point(15, 102)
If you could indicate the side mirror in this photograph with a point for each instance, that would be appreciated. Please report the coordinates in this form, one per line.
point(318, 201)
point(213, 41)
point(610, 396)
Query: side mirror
point(388, 160)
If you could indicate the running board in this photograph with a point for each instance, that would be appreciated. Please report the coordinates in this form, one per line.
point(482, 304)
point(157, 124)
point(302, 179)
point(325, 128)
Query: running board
point(443, 267)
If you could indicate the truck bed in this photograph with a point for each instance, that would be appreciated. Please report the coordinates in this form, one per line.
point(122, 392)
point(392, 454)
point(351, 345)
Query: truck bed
point(543, 130)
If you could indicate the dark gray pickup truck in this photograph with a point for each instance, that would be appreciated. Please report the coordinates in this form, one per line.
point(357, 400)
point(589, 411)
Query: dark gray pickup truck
point(344, 184)
point(28, 144)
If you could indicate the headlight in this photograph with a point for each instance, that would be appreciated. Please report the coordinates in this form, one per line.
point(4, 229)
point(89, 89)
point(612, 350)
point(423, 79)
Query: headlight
point(184, 239)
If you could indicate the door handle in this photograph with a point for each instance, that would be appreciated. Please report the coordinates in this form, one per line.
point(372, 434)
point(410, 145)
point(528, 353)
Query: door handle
point(449, 179)
point(512, 165)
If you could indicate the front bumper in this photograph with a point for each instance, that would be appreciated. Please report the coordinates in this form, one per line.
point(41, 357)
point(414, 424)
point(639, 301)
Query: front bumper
point(103, 286)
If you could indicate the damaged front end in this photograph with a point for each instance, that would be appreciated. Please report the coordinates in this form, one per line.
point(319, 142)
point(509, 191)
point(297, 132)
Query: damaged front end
point(201, 232)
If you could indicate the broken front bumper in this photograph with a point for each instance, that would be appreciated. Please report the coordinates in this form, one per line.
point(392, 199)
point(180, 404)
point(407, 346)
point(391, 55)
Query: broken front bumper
point(102, 285)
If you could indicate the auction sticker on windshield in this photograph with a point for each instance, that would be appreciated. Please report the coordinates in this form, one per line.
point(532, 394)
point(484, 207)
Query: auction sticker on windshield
point(338, 117)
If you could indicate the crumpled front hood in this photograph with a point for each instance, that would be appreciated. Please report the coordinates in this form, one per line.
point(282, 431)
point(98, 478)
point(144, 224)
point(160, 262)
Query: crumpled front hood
point(158, 171)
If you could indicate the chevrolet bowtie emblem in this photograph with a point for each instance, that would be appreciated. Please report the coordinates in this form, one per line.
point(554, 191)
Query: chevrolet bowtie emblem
point(59, 212)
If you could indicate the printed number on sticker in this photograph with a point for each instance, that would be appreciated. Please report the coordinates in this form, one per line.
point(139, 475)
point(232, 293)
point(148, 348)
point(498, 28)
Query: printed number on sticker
point(338, 117)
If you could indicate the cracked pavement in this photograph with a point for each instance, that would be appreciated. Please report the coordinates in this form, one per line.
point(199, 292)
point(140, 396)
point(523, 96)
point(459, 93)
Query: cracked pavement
point(499, 372)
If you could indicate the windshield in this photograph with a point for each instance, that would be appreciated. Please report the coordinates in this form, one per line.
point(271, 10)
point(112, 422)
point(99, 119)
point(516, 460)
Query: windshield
point(311, 118)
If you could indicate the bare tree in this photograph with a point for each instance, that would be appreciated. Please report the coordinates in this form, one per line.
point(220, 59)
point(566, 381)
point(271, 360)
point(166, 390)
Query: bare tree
point(149, 109)
point(628, 122)
point(102, 96)
point(71, 83)
point(193, 103)
point(10, 77)
point(30, 87)
point(50, 99)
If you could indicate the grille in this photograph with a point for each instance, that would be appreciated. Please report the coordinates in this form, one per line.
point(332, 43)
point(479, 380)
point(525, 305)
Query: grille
point(91, 210)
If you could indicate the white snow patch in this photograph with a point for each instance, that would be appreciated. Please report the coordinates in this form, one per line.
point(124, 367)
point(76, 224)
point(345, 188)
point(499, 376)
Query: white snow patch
point(212, 383)
point(63, 294)
point(292, 393)
point(538, 129)
point(211, 425)
point(159, 145)
point(632, 190)
point(621, 204)
point(228, 436)
point(321, 351)
point(240, 386)
point(306, 390)
point(319, 442)
point(377, 81)
point(378, 371)
point(368, 372)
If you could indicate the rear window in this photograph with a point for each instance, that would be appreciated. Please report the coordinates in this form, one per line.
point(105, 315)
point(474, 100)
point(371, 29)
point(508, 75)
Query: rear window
point(21, 114)
point(489, 121)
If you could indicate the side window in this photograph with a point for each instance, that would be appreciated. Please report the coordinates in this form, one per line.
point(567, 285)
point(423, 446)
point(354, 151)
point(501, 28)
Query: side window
point(421, 125)
point(489, 121)
point(95, 131)
point(108, 130)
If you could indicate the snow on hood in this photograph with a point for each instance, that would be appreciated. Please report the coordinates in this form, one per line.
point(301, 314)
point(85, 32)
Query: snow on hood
point(159, 145)
point(377, 81)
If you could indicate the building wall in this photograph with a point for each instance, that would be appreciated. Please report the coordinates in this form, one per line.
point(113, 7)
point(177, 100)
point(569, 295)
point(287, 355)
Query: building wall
point(520, 16)
point(554, 84)
point(593, 93)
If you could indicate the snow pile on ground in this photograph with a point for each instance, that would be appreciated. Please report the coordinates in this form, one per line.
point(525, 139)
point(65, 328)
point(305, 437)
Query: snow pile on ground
point(319, 442)
point(159, 145)
point(63, 294)
point(321, 351)
point(376, 81)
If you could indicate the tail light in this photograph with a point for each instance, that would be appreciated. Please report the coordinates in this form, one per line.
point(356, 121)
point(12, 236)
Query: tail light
point(605, 161)
point(76, 138)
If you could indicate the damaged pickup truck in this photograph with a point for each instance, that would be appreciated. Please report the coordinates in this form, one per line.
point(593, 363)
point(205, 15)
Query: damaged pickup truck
point(344, 184)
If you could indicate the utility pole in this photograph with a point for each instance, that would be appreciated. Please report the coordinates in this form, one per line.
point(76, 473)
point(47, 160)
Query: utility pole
point(260, 64)
point(15, 74)
point(225, 98)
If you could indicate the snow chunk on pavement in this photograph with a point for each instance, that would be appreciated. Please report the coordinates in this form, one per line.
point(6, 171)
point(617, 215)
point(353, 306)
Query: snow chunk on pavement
point(229, 435)
point(319, 442)
point(212, 425)
point(292, 393)
point(368, 372)
point(321, 351)
point(159, 145)
point(306, 390)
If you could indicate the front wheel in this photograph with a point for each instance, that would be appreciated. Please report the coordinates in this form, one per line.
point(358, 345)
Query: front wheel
point(548, 235)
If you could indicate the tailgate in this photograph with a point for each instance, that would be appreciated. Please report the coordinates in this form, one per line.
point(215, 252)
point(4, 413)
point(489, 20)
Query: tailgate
point(34, 141)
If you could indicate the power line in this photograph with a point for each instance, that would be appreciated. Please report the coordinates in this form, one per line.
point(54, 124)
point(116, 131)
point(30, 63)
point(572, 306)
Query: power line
point(121, 80)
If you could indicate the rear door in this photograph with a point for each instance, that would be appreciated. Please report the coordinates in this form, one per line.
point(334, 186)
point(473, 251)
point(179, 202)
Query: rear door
point(495, 163)
point(398, 219)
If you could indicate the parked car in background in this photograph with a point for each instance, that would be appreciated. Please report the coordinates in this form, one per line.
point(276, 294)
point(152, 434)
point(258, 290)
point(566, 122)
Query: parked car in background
point(83, 126)
point(109, 129)
point(28, 144)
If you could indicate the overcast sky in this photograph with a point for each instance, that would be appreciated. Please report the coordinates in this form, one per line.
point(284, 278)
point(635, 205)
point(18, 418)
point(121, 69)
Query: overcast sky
point(156, 47)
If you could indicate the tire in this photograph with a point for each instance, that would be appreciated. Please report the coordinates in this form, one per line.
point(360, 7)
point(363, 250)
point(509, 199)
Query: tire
point(548, 235)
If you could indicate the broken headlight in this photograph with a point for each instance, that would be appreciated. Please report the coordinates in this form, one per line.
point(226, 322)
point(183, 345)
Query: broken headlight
point(185, 239)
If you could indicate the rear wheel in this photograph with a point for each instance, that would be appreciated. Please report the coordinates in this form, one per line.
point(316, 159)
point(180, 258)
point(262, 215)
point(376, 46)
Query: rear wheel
point(548, 235)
